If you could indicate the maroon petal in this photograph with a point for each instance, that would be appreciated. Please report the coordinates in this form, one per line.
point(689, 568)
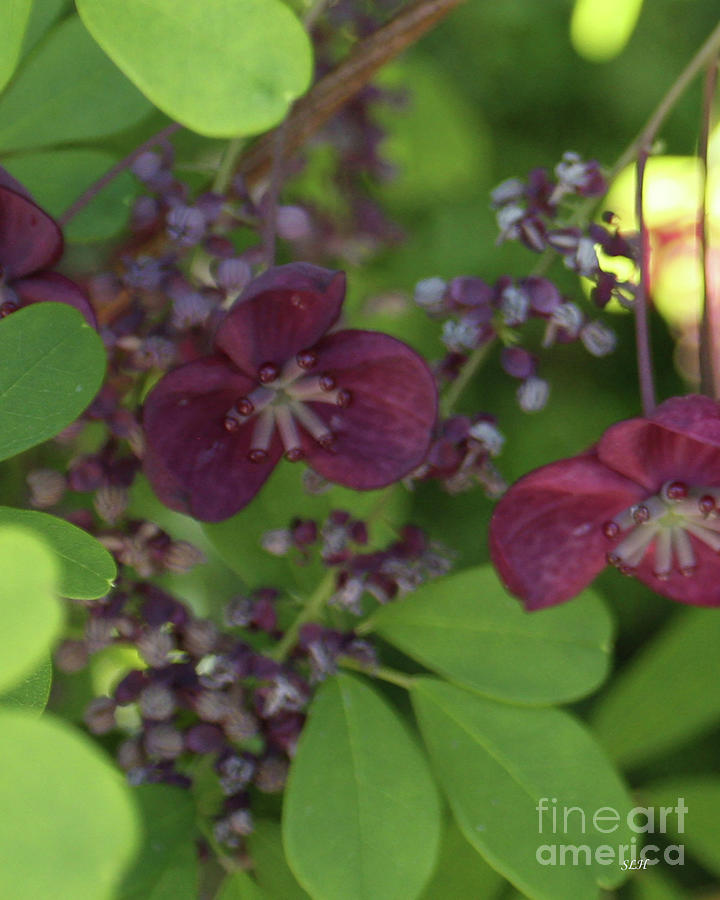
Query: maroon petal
point(193, 463)
point(385, 432)
point(29, 238)
point(284, 311)
point(700, 589)
point(54, 288)
point(546, 537)
point(680, 441)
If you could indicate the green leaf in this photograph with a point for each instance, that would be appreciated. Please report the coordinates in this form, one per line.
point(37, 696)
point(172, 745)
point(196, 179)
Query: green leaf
point(69, 826)
point(238, 540)
point(461, 871)
point(269, 864)
point(222, 68)
point(650, 884)
point(664, 698)
point(31, 694)
point(30, 612)
point(16, 14)
point(240, 886)
point(53, 364)
point(496, 762)
point(86, 569)
point(469, 629)
point(167, 867)
point(56, 179)
point(361, 818)
point(55, 99)
point(692, 818)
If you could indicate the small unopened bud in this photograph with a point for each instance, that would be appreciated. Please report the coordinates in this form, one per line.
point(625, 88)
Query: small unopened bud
point(163, 742)
point(514, 305)
point(241, 725)
point(71, 656)
point(507, 191)
point(47, 487)
point(430, 293)
point(130, 755)
point(100, 715)
point(598, 338)
point(156, 702)
point(234, 774)
point(155, 647)
point(271, 774)
point(278, 541)
point(185, 225)
point(200, 637)
point(533, 393)
point(232, 275)
point(241, 822)
point(460, 336)
point(182, 556)
point(212, 706)
point(204, 738)
point(110, 502)
point(293, 223)
point(489, 436)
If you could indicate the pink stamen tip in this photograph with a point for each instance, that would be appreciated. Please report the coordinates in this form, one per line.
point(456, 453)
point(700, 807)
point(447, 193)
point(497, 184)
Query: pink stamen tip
point(327, 382)
point(344, 399)
point(611, 530)
point(326, 441)
point(661, 576)
point(7, 308)
point(294, 454)
point(268, 372)
point(298, 301)
point(306, 359)
point(688, 571)
point(676, 490)
point(624, 569)
point(245, 406)
point(231, 424)
point(706, 504)
point(641, 514)
point(613, 559)
point(257, 456)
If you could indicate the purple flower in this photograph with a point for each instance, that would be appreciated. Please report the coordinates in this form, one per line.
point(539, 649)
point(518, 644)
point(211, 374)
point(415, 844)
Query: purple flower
point(30, 243)
point(359, 406)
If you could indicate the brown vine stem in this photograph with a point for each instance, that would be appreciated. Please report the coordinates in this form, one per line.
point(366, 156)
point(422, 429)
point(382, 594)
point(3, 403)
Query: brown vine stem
point(710, 327)
point(333, 91)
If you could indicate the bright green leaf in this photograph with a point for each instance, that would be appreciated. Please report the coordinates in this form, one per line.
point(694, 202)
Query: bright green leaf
point(461, 871)
point(15, 17)
point(221, 67)
point(361, 818)
point(30, 612)
point(53, 364)
point(43, 16)
point(31, 694)
point(167, 867)
point(664, 698)
point(468, 628)
point(269, 863)
point(692, 820)
point(86, 569)
point(240, 886)
point(496, 762)
point(56, 179)
point(67, 90)
point(651, 884)
point(69, 826)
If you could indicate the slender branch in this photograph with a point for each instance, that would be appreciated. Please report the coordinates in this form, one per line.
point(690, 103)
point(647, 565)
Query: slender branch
point(333, 91)
point(310, 611)
point(225, 171)
point(91, 192)
point(386, 674)
point(640, 304)
point(272, 195)
point(710, 327)
point(469, 368)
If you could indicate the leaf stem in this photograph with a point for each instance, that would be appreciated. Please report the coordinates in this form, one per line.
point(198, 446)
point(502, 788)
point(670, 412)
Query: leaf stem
point(94, 189)
point(710, 326)
point(470, 367)
point(383, 672)
point(310, 611)
point(640, 304)
point(225, 170)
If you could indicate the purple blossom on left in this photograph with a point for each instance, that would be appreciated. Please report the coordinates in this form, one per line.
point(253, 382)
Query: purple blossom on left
point(358, 406)
point(30, 244)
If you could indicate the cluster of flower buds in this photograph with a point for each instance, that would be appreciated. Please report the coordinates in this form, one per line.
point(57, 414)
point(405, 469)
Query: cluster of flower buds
point(341, 543)
point(477, 313)
point(205, 691)
point(461, 456)
point(531, 212)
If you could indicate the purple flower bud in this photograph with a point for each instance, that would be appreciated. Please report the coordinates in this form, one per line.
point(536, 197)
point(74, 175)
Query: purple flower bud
point(130, 754)
point(430, 294)
point(518, 362)
point(156, 702)
point(71, 656)
point(241, 822)
point(514, 305)
point(490, 437)
point(146, 165)
point(460, 336)
point(111, 502)
point(100, 715)
point(271, 774)
point(234, 773)
point(533, 393)
point(238, 612)
point(598, 338)
point(241, 725)
point(474, 293)
point(163, 742)
point(185, 225)
point(200, 637)
point(544, 296)
point(278, 541)
point(47, 487)
point(155, 647)
point(533, 233)
point(128, 690)
point(232, 275)
point(204, 738)
point(293, 223)
point(182, 556)
point(508, 191)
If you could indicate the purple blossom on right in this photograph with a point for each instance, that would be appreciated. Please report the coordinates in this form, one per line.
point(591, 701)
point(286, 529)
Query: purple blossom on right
point(645, 498)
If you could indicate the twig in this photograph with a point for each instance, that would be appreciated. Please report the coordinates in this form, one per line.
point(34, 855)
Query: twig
point(710, 327)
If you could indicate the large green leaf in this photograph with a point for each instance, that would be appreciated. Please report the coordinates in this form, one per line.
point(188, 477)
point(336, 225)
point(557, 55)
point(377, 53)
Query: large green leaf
point(86, 569)
point(461, 872)
point(31, 694)
point(240, 886)
point(361, 819)
point(692, 820)
point(269, 863)
point(53, 364)
point(69, 827)
point(499, 763)
point(67, 90)
point(30, 612)
point(468, 628)
point(15, 17)
point(221, 67)
point(56, 179)
point(167, 867)
point(664, 698)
